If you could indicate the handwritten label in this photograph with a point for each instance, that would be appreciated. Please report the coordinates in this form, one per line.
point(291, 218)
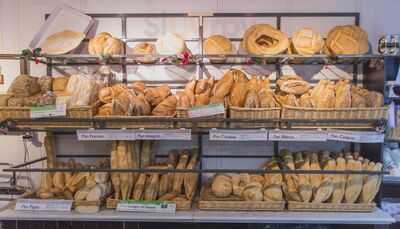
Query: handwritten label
point(49, 111)
point(147, 206)
point(238, 135)
point(204, 111)
point(355, 136)
point(297, 135)
point(103, 135)
point(173, 134)
point(43, 205)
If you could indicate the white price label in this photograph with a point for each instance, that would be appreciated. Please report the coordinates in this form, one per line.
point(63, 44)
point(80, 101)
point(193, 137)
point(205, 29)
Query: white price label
point(104, 135)
point(43, 205)
point(173, 134)
point(49, 111)
point(147, 206)
point(238, 135)
point(297, 135)
point(207, 110)
point(356, 136)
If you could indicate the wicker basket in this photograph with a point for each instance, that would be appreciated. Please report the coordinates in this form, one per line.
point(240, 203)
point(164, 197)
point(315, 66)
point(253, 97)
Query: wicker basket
point(330, 207)
point(339, 117)
point(180, 205)
point(233, 203)
point(14, 113)
point(183, 113)
point(136, 122)
point(254, 114)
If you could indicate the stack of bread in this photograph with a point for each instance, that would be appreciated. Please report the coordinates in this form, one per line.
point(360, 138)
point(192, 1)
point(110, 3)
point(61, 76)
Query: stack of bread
point(30, 91)
point(248, 187)
point(152, 186)
point(139, 100)
point(294, 91)
point(330, 188)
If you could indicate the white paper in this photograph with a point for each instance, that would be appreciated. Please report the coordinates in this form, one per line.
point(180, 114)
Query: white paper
point(105, 135)
point(238, 135)
point(43, 205)
point(147, 206)
point(207, 110)
point(57, 110)
point(392, 115)
point(62, 18)
point(356, 136)
point(297, 135)
point(172, 134)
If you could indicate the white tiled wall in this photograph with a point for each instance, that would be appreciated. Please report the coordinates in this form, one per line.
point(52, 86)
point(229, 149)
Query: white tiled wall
point(20, 19)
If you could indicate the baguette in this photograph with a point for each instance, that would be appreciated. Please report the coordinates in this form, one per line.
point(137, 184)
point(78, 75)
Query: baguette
point(291, 185)
point(139, 187)
point(115, 179)
point(151, 187)
point(131, 176)
point(339, 181)
point(190, 179)
point(123, 163)
point(315, 179)
point(372, 184)
point(178, 177)
point(146, 153)
point(59, 180)
point(167, 196)
point(354, 182)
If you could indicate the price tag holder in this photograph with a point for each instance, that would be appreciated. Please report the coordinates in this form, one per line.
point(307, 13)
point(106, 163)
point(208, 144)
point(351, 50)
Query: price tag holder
point(43, 205)
point(356, 136)
point(58, 110)
point(297, 135)
point(104, 135)
point(207, 110)
point(238, 135)
point(155, 134)
point(147, 206)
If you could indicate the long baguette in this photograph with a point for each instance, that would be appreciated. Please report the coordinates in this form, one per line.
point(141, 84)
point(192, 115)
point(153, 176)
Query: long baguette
point(131, 180)
point(372, 184)
point(315, 179)
point(178, 177)
point(165, 182)
point(291, 185)
point(123, 163)
point(354, 182)
point(115, 179)
point(151, 188)
point(147, 153)
point(139, 187)
point(190, 179)
point(305, 189)
point(325, 190)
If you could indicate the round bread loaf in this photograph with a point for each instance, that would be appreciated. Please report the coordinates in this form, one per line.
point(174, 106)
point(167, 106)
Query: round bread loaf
point(217, 45)
point(105, 44)
point(307, 42)
point(170, 44)
point(221, 186)
point(145, 48)
point(347, 39)
point(263, 39)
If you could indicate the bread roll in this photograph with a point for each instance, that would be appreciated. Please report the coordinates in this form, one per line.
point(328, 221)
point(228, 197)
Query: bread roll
point(167, 107)
point(156, 95)
point(348, 39)
point(170, 44)
point(139, 87)
point(190, 91)
point(224, 85)
point(253, 192)
point(374, 99)
point(358, 98)
point(145, 48)
point(252, 100)
point(263, 39)
point(217, 45)
point(140, 106)
point(221, 186)
point(237, 97)
point(273, 192)
point(307, 42)
point(295, 87)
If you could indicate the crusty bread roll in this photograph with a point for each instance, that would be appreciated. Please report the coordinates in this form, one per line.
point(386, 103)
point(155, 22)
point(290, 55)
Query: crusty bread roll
point(307, 42)
point(156, 95)
point(253, 192)
point(217, 45)
point(221, 186)
point(263, 39)
point(139, 87)
point(105, 44)
point(347, 39)
point(140, 106)
point(106, 110)
point(170, 44)
point(145, 48)
point(295, 87)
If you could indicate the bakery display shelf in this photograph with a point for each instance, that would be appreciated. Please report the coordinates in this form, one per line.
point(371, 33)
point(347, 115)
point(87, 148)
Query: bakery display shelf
point(377, 217)
point(392, 180)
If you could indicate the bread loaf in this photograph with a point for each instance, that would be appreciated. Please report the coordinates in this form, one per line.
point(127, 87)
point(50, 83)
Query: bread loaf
point(183, 100)
point(170, 44)
point(263, 39)
point(307, 42)
point(348, 39)
point(325, 189)
point(60, 83)
point(267, 99)
point(167, 107)
point(139, 187)
point(81, 194)
point(238, 94)
point(252, 100)
point(354, 183)
point(24, 86)
point(179, 177)
point(95, 193)
point(273, 192)
point(190, 91)
point(295, 87)
point(372, 184)
point(358, 97)
point(343, 94)
point(253, 192)
point(105, 44)
point(305, 188)
point(217, 45)
point(115, 176)
point(224, 85)
point(221, 186)
point(156, 95)
point(315, 179)
point(291, 180)
point(145, 48)
point(151, 188)
point(339, 181)
point(190, 179)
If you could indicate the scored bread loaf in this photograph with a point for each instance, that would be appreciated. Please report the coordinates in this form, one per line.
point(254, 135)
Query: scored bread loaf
point(372, 184)
point(253, 192)
point(151, 187)
point(167, 107)
point(221, 185)
point(348, 39)
point(263, 39)
point(223, 86)
point(123, 163)
point(315, 179)
point(354, 182)
point(339, 181)
point(305, 188)
point(238, 94)
point(307, 42)
point(325, 189)
point(291, 180)
point(139, 187)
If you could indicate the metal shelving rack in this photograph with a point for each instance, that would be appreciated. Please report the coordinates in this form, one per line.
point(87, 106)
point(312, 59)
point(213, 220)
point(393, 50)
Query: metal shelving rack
point(54, 61)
